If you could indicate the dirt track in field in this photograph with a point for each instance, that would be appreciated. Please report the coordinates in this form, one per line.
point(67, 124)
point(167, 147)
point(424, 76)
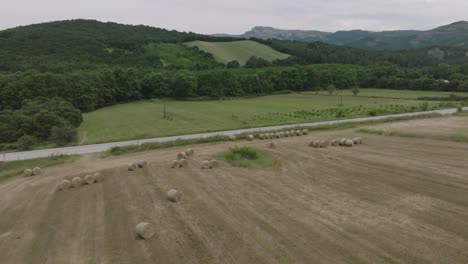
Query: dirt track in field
point(390, 200)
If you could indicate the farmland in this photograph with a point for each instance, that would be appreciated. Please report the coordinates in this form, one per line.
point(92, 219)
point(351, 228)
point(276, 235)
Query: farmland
point(145, 119)
point(389, 200)
point(238, 50)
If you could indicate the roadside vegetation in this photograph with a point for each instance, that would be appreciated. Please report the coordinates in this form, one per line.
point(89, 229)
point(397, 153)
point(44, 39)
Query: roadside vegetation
point(455, 137)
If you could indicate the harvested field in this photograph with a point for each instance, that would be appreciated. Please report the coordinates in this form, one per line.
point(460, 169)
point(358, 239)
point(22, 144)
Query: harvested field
point(389, 200)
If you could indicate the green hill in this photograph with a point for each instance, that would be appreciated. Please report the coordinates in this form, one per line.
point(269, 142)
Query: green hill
point(84, 44)
point(238, 50)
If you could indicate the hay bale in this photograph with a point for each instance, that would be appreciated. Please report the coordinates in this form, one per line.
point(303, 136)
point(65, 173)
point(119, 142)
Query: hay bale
point(298, 133)
point(324, 143)
point(281, 134)
point(348, 143)
point(277, 135)
point(206, 164)
point(357, 140)
point(144, 230)
point(232, 138)
point(132, 166)
point(214, 163)
point(99, 177)
point(175, 164)
point(173, 195)
point(305, 131)
point(190, 152)
point(286, 134)
point(183, 163)
point(36, 171)
point(342, 141)
point(311, 143)
point(142, 163)
point(272, 145)
point(316, 144)
point(89, 179)
point(181, 155)
point(335, 142)
point(63, 185)
point(76, 182)
point(250, 137)
point(27, 173)
point(261, 136)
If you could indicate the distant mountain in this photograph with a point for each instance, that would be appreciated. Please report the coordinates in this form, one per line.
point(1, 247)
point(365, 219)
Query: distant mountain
point(455, 34)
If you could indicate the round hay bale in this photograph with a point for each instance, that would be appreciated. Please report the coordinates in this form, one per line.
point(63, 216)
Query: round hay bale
point(142, 163)
point(99, 177)
point(63, 185)
point(281, 134)
point(348, 143)
point(357, 140)
point(261, 136)
point(76, 182)
point(342, 141)
point(181, 155)
point(323, 143)
point(277, 135)
point(316, 144)
point(214, 163)
point(232, 138)
point(272, 145)
point(286, 134)
point(298, 133)
point(206, 164)
point(250, 137)
point(36, 171)
point(190, 152)
point(175, 164)
point(311, 143)
point(183, 163)
point(132, 166)
point(89, 179)
point(27, 173)
point(173, 195)
point(335, 142)
point(305, 131)
point(144, 230)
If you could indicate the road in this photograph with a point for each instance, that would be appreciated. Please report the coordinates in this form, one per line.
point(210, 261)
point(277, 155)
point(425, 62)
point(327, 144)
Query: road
point(86, 149)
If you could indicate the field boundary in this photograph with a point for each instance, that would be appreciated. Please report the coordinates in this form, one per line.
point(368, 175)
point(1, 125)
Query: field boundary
point(95, 148)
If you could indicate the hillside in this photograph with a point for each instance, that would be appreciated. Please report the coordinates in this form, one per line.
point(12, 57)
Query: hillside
point(240, 51)
point(50, 46)
point(455, 34)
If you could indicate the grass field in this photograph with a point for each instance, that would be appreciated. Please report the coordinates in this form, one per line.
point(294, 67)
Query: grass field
point(144, 119)
point(238, 50)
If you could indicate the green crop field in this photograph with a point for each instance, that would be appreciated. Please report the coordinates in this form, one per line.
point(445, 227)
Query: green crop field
point(238, 50)
point(145, 119)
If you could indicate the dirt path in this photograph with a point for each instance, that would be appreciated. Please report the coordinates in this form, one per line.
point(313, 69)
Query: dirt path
point(390, 200)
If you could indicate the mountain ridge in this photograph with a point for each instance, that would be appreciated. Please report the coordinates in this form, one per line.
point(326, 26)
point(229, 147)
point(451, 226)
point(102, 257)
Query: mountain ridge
point(454, 34)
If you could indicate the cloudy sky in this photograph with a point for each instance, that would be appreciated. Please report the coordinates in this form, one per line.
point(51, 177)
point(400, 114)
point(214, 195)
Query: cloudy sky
point(223, 16)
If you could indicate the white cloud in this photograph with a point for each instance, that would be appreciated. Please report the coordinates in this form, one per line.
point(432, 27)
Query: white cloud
point(211, 16)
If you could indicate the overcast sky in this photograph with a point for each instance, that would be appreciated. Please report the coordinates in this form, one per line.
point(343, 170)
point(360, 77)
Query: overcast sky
point(223, 16)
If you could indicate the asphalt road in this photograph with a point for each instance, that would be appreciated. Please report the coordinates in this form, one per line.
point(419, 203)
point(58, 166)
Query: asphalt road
point(86, 149)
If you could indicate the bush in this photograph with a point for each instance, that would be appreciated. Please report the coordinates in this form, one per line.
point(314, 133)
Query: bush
point(372, 113)
point(243, 152)
point(26, 142)
point(424, 106)
point(63, 134)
